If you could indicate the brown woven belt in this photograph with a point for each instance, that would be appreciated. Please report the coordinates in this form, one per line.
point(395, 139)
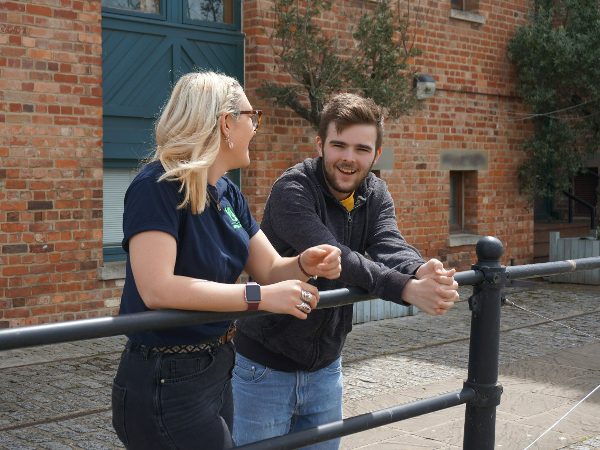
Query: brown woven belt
point(186, 348)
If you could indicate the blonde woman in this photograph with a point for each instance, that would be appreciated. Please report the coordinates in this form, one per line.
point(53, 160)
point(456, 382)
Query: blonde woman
point(189, 235)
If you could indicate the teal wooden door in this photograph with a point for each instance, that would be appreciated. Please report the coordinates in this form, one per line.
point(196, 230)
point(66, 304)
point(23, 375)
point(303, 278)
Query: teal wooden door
point(144, 53)
point(146, 46)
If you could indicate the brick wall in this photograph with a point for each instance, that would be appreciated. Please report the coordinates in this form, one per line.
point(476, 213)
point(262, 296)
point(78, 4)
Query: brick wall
point(51, 145)
point(474, 108)
point(51, 162)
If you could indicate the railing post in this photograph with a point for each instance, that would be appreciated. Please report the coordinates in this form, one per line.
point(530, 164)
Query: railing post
point(480, 415)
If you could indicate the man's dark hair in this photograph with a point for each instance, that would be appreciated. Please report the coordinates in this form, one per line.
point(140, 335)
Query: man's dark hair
point(348, 109)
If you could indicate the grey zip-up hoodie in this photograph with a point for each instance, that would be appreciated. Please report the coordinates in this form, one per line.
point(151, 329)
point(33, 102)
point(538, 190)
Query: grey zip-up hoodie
point(301, 213)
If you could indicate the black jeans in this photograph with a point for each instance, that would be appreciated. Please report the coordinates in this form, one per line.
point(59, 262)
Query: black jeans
point(174, 401)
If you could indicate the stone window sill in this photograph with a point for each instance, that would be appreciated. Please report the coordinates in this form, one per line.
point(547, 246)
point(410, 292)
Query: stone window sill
point(112, 271)
point(467, 16)
point(460, 239)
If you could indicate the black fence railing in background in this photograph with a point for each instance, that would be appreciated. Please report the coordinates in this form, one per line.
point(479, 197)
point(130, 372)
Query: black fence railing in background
point(481, 392)
point(591, 208)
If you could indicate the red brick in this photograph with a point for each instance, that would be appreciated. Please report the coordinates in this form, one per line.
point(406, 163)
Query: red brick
point(39, 10)
point(17, 313)
point(14, 270)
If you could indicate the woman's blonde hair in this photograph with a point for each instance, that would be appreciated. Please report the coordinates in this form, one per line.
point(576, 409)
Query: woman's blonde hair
point(188, 135)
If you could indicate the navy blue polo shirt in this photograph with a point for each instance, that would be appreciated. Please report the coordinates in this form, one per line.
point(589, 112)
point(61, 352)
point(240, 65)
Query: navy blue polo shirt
point(211, 246)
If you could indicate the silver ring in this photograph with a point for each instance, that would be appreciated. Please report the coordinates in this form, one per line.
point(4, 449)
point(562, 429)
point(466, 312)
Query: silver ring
point(306, 296)
point(304, 307)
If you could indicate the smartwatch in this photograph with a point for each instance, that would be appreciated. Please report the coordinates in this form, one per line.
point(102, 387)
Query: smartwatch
point(252, 295)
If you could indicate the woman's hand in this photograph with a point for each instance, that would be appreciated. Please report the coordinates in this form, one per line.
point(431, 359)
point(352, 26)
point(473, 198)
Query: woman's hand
point(322, 261)
point(286, 297)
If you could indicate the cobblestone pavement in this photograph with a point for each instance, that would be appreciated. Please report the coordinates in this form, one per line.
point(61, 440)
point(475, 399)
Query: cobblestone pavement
point(58, 396)
point(394, 362)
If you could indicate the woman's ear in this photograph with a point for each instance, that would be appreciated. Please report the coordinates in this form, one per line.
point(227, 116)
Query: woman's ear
point(225, 130)
point(223, 125)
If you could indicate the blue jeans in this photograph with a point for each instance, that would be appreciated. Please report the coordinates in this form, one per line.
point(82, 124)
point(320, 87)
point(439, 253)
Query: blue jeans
point(174, 401)
point(269, 403)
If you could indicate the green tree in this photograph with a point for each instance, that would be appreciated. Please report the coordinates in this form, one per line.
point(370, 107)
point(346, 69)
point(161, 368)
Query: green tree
point(377, 67)
point(557, 57)
point(380, 68)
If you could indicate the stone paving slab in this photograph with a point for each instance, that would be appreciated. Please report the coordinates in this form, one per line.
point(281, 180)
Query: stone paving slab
point(588, 444)
point(58, 352)
point(546, 367)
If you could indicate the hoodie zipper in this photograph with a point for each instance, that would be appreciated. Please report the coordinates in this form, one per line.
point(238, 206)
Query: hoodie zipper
point(348, 225)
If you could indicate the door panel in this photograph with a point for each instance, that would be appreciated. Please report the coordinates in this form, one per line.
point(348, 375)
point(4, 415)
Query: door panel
point(142, 59)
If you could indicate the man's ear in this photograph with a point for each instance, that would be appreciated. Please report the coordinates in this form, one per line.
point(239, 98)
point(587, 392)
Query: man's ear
point(377, 155)
point(319, 145)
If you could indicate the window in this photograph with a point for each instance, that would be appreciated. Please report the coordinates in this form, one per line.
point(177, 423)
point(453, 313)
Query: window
point(465, 5)
point(466, 10)
point(116, 180)
point(219, 11)
point(141, 6)
point(456, 201)
point(463, 201)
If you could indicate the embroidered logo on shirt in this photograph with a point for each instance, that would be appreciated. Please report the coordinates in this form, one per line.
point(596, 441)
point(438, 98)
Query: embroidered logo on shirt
point(235, 222)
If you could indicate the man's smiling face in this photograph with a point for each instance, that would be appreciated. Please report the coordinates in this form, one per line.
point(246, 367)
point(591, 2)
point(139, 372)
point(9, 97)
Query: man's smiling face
point(348, 157)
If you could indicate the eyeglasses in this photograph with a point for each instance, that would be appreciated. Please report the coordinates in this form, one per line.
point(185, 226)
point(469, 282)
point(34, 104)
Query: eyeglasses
point(255, 116)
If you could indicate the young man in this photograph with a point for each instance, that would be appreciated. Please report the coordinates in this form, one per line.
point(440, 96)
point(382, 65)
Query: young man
point(287, 376)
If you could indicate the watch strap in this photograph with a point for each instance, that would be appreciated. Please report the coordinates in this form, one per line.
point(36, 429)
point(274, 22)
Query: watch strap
point(252, 295)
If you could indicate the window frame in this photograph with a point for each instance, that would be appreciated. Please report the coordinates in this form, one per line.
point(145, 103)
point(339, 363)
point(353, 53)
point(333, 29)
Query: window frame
point(114, 252)
point(162, 15)
point(467, 11)
point(457, 202)
point(235, 13)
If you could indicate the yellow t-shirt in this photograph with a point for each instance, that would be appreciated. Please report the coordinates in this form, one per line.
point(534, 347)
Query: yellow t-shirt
point(348, 202)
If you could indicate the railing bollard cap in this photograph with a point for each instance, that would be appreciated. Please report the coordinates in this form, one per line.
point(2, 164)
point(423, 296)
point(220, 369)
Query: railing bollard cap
point(489, 250)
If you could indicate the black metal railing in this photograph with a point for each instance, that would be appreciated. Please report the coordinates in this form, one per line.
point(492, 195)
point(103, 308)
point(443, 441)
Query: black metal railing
point(591, 208)
point(481, 392)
